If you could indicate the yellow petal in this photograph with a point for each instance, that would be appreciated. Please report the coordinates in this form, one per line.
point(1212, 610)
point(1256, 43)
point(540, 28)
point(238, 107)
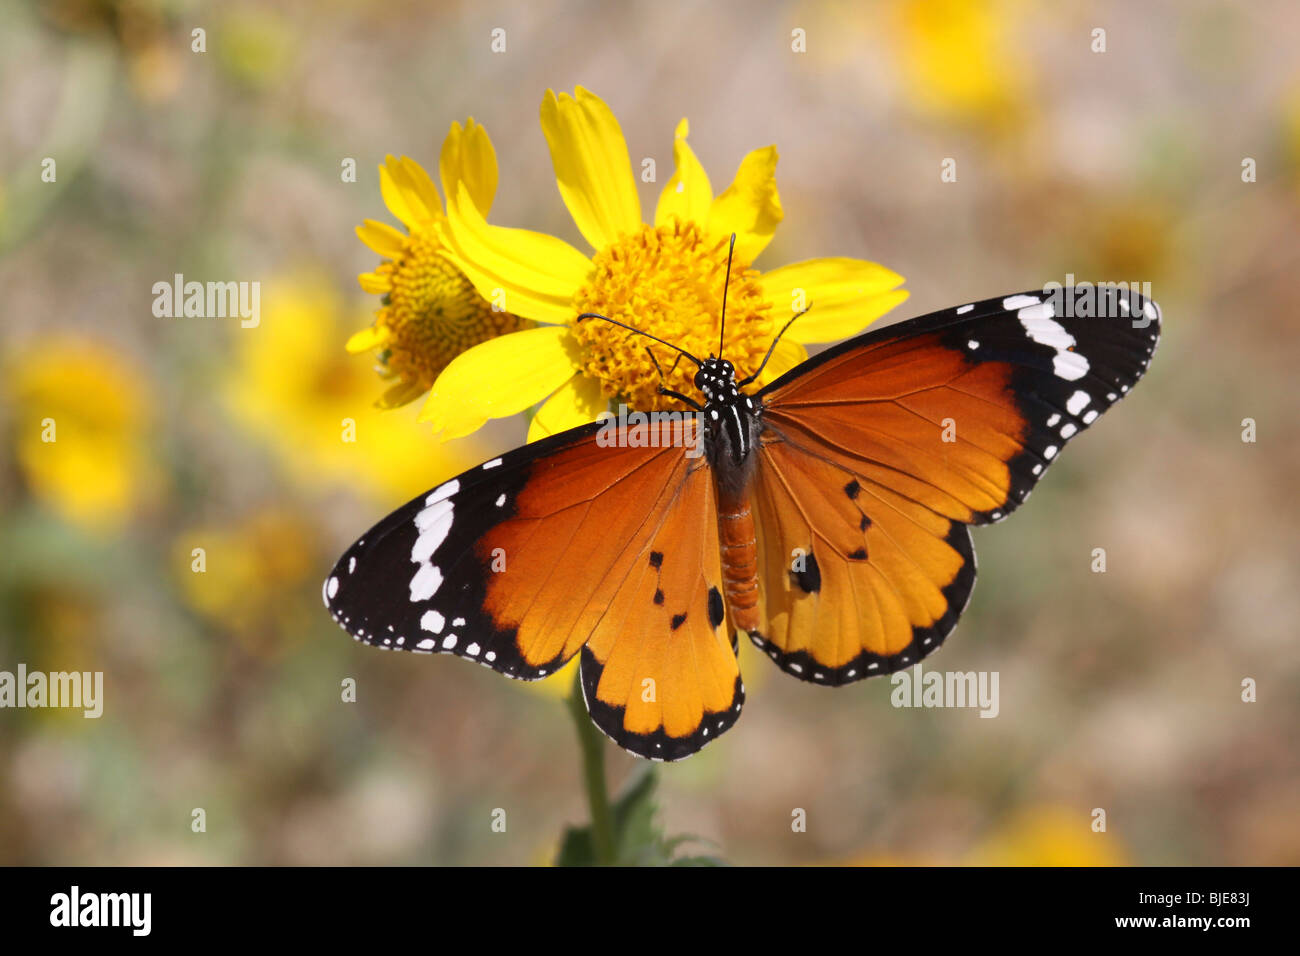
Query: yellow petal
point(751, 207)
point(591, 165)
point(408, 192)
point(415, 182)
point(367, 340)
point(468, 157)
point(498, 378)
point(375, 283)
point(787, 354)
point(687, 194)
point(395, 198)
point(382, 238)
point(527, 273)
point(576, 402)
point(845, 295)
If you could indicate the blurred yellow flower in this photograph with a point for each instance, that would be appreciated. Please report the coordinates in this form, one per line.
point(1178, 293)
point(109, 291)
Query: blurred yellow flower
point(1049, 836)
point(293, 386)
point(245, 577)
point(81, 419)
point(666, 279)
point(957, 61)
point(431, 312)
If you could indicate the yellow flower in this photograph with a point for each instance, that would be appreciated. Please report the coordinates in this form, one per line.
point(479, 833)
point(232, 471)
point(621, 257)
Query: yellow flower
point(250, 577)
point(957, 60)
point(82, 417)
point(431, 312)
point(1049, 836)
point(295, 388)
point(664, 278)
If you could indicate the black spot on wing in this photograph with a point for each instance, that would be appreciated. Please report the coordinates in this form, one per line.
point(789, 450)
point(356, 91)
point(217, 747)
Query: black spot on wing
point(717, 609)
point(678, 621)
point(659, 596)
point(807, 574)
point(656, 559)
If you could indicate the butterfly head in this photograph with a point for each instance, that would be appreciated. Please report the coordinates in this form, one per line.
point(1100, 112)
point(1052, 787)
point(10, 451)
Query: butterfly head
point(717, 380)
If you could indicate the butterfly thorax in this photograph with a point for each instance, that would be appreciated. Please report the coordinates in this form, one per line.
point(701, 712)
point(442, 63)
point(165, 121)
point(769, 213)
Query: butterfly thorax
point(732, 423)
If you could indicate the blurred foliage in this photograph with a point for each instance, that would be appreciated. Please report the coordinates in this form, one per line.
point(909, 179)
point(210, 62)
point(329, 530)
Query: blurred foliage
point(1120, 690)
point(638, 841)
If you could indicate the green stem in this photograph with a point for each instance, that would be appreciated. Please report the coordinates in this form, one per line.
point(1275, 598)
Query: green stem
point(592, 744)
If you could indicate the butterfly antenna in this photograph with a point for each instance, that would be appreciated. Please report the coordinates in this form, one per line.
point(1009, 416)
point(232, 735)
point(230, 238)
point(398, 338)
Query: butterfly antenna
point(772, 348)
point(597, 315)
point(722, 334)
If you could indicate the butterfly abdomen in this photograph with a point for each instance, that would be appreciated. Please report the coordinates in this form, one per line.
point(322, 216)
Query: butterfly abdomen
point(739, 560)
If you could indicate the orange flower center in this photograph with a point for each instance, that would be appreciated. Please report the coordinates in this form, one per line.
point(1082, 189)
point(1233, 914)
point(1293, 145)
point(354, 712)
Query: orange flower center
point(667, 281)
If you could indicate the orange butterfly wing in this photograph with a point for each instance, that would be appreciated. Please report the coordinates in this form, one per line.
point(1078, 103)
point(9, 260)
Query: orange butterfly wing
point(521, 562)
point(878, 453)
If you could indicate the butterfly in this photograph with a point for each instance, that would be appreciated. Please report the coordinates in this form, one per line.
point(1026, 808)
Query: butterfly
point(826, 520)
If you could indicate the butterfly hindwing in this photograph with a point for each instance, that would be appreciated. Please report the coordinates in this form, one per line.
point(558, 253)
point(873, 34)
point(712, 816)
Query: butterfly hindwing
point(659, 674)
point(878, 452)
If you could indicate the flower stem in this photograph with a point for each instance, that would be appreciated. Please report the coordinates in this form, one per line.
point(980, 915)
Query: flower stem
point(592, 745)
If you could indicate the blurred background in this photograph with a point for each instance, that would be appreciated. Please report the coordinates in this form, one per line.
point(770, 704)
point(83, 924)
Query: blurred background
point(1120, 690)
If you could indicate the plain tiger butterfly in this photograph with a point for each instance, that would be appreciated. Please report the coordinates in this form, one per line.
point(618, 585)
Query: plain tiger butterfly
point(827, 518)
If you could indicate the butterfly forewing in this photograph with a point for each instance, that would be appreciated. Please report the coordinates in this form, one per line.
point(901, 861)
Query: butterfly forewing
point(520, 562)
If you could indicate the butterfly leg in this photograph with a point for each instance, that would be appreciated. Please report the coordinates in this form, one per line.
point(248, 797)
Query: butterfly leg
point(664, 390)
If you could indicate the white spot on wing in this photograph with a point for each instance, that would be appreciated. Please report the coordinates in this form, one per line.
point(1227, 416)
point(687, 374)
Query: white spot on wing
point(1077, 402)
point(331, 588)
point(1037, 318)
point(1070, 366)
point(1049, 452)
point(449, 642)
point(1020, 301)
point(432, 621)
point(491, 464)
point(426, 581)
point(963, 309)
point(1068, 429)
point(1090, 416)
point(443, 491)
